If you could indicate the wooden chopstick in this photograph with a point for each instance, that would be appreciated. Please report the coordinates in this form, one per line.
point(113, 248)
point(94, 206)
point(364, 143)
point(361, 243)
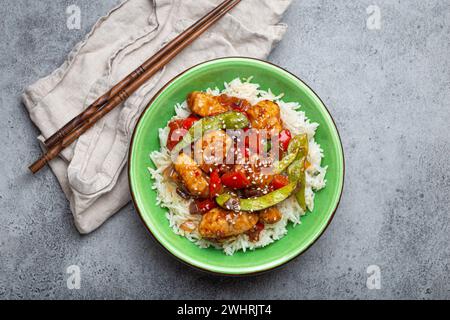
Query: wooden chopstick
point(123, 94)
point(100, 102)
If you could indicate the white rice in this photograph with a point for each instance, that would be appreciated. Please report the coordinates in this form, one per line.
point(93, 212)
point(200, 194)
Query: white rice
point(178, 208)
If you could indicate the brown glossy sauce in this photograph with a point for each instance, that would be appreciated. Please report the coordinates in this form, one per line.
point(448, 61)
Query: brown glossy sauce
point(233, 102)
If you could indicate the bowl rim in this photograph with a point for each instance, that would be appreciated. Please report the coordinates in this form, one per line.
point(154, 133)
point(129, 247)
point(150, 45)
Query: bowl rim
point(205, 269)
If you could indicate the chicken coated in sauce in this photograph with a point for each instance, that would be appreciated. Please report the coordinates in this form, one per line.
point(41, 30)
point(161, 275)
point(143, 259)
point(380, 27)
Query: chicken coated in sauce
point(211, 151)
point(220, 224)
point(270, 216)
point(266, 115)
point(258, 172)
point(205, 105)
point(192, 176)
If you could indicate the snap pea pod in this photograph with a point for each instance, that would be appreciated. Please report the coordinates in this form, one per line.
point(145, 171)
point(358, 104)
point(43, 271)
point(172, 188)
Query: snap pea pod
point(228, 202)
point(299, 145)
point(300, 194)
point(298, 148)
point(296, 171)
point(233, 120)
point(267, 146)
point(283, 164)
point(228, 120)
point(297, 175)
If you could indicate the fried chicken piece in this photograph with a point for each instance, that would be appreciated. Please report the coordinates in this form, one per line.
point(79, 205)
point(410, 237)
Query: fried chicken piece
point(270, 216)
point(211, 151)
point(259, 178)
point(219, 223)
point(266, 115)
point(258, 171)
point(191, 176)
point(205, 105)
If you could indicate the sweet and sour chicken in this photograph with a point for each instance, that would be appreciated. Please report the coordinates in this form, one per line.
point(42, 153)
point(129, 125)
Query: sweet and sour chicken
point(205, 105)
point(234, 198)
point(220, 224)
point(266, 115)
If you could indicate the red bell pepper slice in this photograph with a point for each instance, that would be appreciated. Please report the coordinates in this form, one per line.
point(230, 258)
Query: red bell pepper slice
point(235, 180)
point(176, 134)
point(189, 122)
point(205, 206)
point(285, 138)
point(215, 184)
point(279, 182)
point(254, 141)
point(178, 129)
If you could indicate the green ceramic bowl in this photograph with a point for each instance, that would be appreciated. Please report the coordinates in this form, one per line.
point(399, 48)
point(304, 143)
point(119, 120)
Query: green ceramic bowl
point(161, 109)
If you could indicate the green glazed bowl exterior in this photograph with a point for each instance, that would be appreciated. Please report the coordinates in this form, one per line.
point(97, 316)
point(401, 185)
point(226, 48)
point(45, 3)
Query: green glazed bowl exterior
point(146, 139)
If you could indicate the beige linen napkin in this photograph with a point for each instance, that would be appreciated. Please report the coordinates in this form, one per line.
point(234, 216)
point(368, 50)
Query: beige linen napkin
point(92, 171)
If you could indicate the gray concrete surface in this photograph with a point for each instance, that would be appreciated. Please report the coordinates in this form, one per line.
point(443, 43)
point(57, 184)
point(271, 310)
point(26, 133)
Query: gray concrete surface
point(389, 92)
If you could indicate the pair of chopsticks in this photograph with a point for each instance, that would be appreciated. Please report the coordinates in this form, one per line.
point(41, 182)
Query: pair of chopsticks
point(120, 92)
